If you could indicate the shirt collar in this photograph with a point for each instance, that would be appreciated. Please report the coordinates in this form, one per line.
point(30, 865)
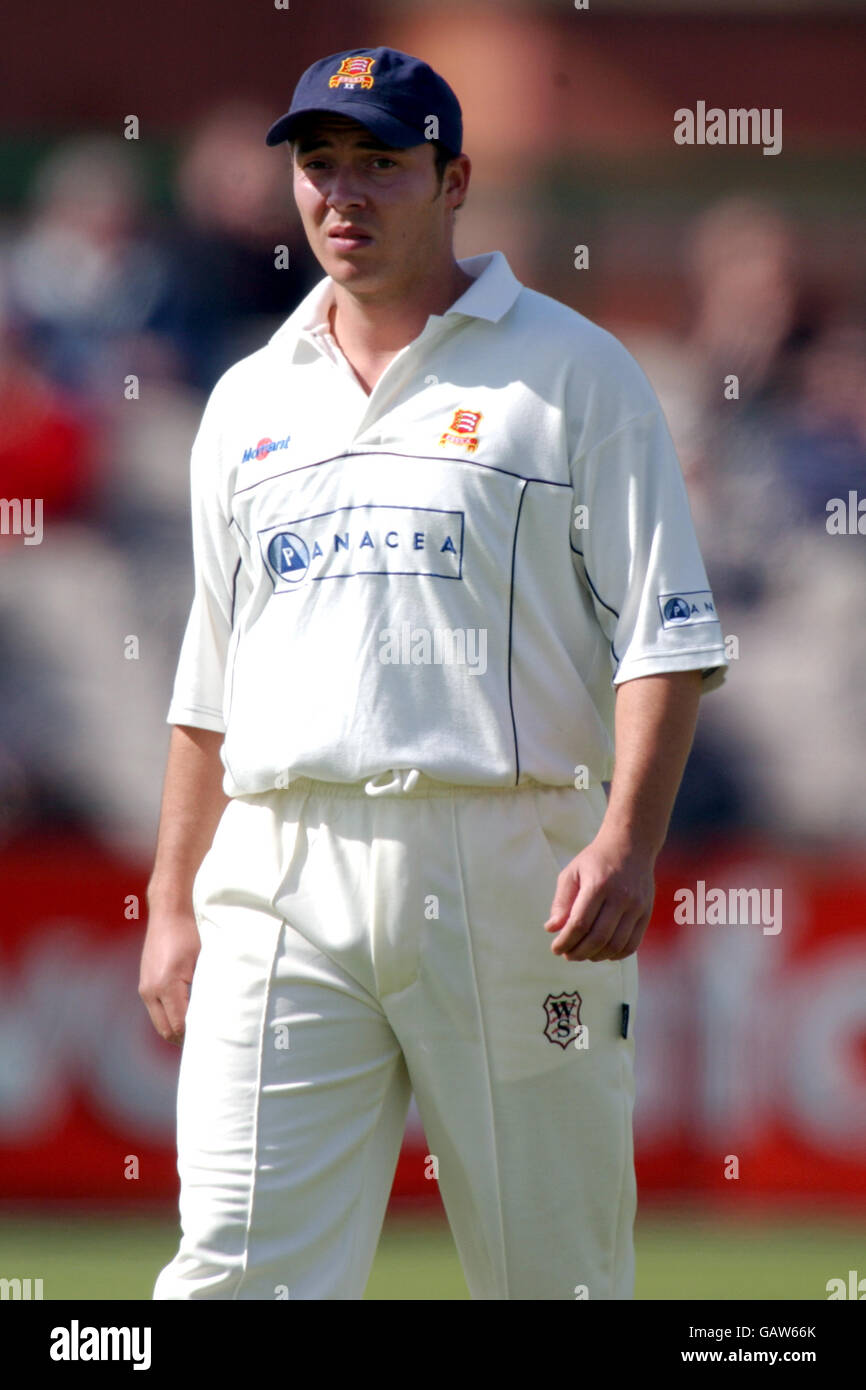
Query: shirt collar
point(494, 290)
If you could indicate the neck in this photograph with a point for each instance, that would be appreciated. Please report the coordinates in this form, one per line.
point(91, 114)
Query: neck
point(372, 324)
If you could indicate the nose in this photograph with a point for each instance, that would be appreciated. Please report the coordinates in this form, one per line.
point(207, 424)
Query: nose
point(344, 189)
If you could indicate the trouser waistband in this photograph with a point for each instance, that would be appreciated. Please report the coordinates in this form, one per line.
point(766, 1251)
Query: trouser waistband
point(410, 782)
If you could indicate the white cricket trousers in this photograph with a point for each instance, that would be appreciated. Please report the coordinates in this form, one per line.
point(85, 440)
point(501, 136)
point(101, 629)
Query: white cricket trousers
point(356, 948)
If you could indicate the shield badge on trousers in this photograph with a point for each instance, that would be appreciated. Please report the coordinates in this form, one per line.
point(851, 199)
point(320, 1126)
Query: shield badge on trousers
point(563, 1017)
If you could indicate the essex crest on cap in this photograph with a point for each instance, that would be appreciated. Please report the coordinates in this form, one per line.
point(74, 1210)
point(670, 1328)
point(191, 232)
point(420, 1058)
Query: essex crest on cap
point(354, 72)
point(407, 92)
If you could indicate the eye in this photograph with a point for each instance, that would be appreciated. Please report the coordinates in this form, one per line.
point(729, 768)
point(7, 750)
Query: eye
point(382, 159)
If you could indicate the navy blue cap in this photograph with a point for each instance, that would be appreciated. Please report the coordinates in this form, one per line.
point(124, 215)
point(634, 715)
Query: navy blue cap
point(393, 95)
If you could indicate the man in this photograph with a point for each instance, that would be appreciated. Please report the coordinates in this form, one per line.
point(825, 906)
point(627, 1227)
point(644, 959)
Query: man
point(442, 547)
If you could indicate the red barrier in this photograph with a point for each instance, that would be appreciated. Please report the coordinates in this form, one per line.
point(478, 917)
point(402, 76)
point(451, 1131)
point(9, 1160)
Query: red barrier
point(751, 1033)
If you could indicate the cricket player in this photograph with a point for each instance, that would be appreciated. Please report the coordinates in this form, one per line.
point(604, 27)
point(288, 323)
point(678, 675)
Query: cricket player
point(446, 587)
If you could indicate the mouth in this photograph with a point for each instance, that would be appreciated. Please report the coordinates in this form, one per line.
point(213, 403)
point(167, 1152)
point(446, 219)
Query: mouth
point(349, 238)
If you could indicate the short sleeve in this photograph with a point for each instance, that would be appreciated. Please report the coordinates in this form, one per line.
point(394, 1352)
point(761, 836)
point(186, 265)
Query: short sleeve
point(197, 698)
point(639, 557)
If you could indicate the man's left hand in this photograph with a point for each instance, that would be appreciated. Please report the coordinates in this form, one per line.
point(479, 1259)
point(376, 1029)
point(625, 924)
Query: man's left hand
point(603, 901)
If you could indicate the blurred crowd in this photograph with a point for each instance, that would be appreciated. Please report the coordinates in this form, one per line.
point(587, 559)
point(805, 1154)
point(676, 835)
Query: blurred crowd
point(765, 392)
point(117, 316)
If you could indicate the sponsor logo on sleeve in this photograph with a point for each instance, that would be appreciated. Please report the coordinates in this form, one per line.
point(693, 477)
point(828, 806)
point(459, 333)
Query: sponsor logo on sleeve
point(687, 609)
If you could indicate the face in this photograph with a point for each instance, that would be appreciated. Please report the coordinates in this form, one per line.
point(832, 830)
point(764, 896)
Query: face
point(375, 217)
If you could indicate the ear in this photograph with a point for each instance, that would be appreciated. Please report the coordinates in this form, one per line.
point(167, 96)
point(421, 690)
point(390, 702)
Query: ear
point(456, 181)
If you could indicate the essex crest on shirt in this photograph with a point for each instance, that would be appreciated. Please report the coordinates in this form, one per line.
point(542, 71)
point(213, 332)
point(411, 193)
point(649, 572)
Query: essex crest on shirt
point(462, 430)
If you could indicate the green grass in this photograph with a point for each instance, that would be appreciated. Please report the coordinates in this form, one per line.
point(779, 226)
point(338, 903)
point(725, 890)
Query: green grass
point(698, 1257)
point(678, 1257)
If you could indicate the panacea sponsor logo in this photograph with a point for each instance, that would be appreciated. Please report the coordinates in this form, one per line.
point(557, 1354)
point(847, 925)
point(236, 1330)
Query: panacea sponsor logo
point(368, 539)
point(679, 609)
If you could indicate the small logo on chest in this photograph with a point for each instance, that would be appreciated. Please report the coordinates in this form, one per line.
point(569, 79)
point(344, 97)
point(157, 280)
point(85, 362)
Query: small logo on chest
point(264, 447)
point(462, 431)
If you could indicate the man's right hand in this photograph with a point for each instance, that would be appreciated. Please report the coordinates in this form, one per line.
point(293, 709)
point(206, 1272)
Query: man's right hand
point(192, 803)
point(171, 948)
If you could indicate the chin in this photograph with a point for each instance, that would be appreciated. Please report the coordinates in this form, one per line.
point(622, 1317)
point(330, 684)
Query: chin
point(347, 271)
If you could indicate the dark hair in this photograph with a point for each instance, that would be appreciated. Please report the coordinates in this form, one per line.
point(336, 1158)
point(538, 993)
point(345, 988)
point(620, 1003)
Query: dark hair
point(441, 158)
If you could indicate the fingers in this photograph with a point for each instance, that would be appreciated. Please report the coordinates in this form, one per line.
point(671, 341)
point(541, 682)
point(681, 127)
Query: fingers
point(602, 923)
point(175, 1001)
point(168, 1011)
point(630, 942)
point(563, 899)
point(575, 906)
point(616, 944)
point(159, 1019)
point(168, 962)
point(593, 910)
point(587, 937)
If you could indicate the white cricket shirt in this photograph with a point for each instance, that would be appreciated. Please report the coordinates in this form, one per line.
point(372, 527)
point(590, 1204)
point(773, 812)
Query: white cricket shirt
point(450, 574)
